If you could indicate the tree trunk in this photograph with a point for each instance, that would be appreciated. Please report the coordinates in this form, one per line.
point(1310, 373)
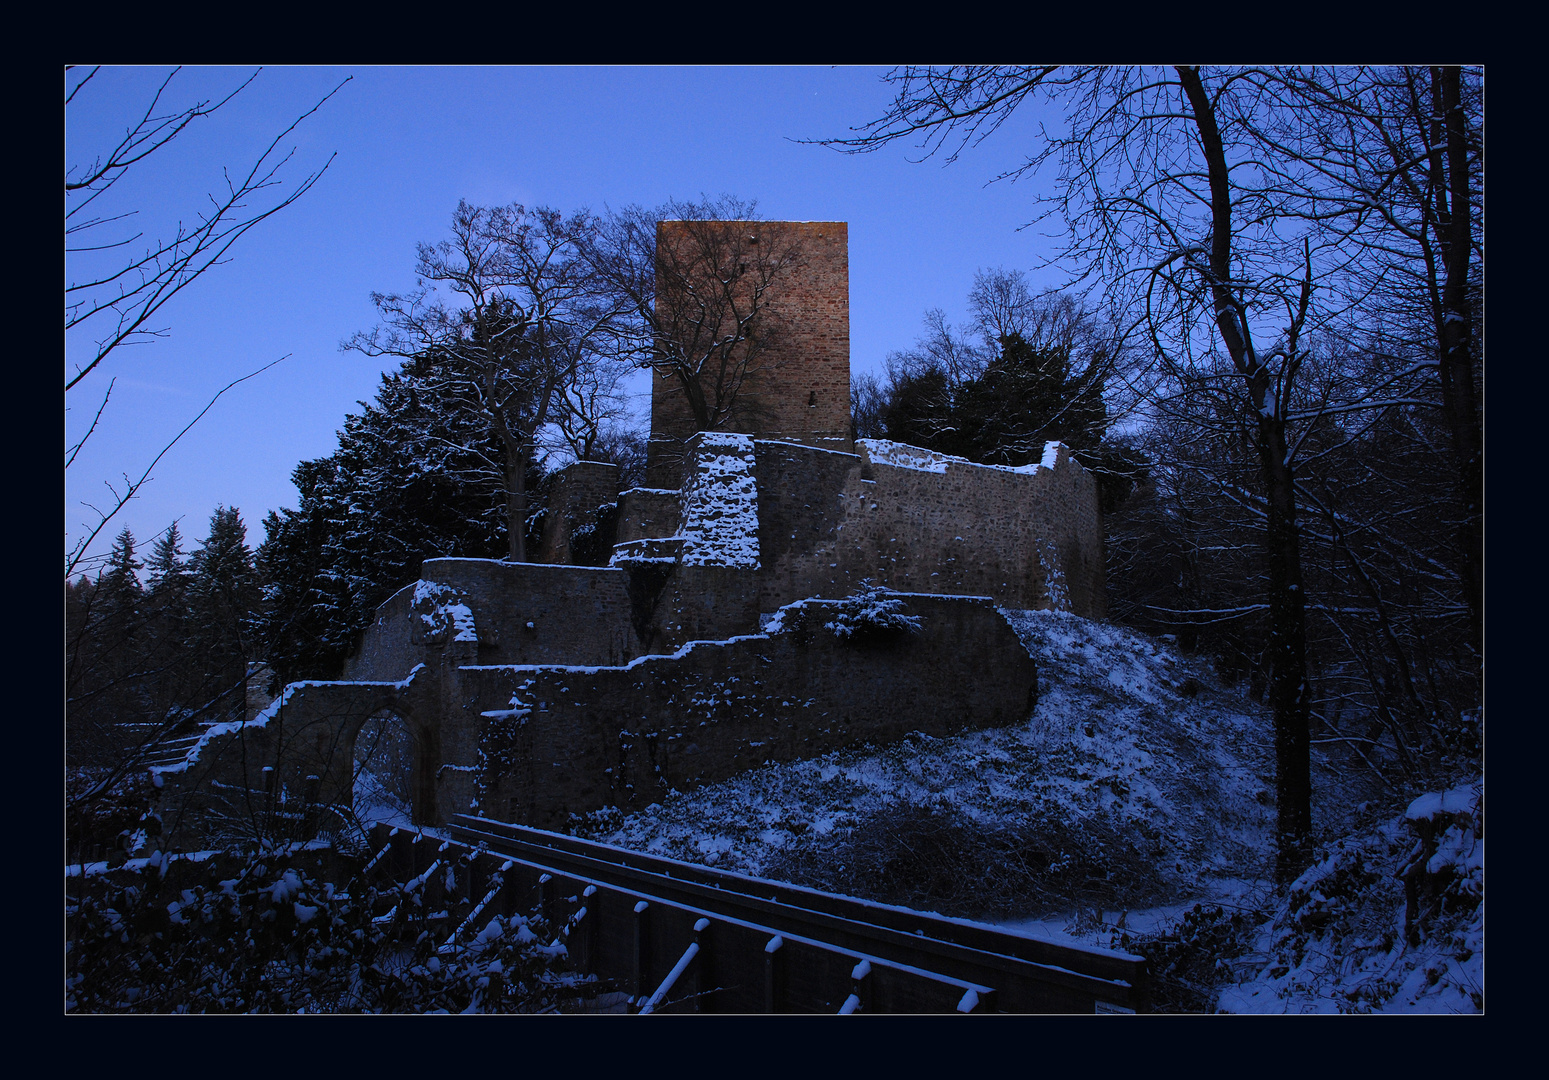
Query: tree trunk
point(1289, 694)
point(516, 500)
point(1457, 366)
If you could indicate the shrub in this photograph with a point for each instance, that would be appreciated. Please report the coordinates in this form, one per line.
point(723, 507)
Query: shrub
point(263, 934)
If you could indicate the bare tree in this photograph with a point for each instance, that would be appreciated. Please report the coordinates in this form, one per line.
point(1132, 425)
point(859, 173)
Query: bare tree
point(524, 330)
point(594, 408)
point(115, 289)
point(701, 297)
point(1216, 249)
point(1393, 163)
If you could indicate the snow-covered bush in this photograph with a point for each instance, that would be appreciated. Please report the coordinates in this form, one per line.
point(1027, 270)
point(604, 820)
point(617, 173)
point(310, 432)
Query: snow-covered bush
point(873, 612)
point(263, 934)
point(1191, 959)
point(1389, 919)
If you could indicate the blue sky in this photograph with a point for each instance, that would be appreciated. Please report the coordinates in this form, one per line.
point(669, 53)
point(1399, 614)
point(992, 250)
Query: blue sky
point(410, 142)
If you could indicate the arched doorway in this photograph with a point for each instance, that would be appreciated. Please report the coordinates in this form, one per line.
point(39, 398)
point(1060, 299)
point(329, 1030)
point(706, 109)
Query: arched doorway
point(390, 773)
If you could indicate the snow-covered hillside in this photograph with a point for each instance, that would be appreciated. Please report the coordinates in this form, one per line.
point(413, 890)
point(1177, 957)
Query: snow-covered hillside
point(1138, 780)
point(1135, 809)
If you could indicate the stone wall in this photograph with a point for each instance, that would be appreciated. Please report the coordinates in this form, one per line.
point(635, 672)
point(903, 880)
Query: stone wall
point(1031, 536)
point(536, 744)
point(922, 522)
point(799, 387)
point(645, 513)
point(579, 490)
point(516, 613)
point(276, 773)
point(561, 741)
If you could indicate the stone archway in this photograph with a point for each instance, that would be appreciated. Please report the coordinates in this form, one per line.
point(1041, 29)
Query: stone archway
point(393, 764)
point(386, 763)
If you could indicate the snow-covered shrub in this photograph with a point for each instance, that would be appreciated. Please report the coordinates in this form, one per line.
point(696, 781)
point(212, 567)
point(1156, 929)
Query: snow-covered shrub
point(1190, 960)
point(1389, 919)
point(264, 934)
point(872, 613)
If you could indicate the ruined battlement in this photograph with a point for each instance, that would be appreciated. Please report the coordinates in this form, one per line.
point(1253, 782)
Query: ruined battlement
point(809, 522)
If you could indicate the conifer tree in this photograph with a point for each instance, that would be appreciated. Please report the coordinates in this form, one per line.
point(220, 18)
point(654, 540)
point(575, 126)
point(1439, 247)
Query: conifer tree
point(1027, 397)
point(168, 574)
point(223, 598)
point(118, 589)
point(410, 481)
point(103, 639)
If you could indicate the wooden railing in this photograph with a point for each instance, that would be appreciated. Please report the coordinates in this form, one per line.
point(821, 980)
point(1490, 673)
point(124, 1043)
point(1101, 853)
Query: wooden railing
point(676, 937)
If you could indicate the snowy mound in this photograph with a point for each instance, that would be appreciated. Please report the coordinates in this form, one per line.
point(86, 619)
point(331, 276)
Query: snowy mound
point(1136, 777)
point(1390, 919)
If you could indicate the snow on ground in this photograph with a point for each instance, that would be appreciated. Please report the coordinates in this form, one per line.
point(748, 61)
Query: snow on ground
point(1389, 919)
point(376, 802)
point(1137, 780)
point(1133, 810)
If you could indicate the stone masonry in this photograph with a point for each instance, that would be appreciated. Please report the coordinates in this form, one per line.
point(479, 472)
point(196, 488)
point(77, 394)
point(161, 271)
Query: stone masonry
point(541, 691)
point(801, 384)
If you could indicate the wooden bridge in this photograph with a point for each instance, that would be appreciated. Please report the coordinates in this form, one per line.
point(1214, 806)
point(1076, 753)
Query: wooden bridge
point(678, 937)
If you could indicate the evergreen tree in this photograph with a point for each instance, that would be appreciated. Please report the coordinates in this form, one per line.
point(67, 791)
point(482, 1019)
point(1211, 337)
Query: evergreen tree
point(171, 663)
point(919, 411)
point(103, 624)
point(168, 574)
point(119, 593)
point(1027, 397)
point(411, 480)
point(223, 597)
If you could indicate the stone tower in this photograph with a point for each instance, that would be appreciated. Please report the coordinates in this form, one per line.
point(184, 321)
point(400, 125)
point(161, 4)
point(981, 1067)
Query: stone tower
point(790, 380)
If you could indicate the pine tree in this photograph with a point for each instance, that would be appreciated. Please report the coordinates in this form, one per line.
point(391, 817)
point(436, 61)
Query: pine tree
point(919, 411)
point(1027, 397)
point(411, 480)
point(168, 575)
point(223, 599)
point(104, 628)
point(118, 587)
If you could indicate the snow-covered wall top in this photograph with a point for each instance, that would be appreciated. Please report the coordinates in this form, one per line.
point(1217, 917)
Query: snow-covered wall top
point(903, 456)
point(720, 503)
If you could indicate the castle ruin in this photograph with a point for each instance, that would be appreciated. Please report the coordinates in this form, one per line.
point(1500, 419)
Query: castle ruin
point(717, 636)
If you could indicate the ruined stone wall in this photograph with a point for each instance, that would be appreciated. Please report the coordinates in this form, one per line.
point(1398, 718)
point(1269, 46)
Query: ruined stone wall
point(922, 522)
point(500, 613)
point(560, 741)
point(281, 769)
point(799, 388)
point(695, 603)
point(801, 506)
point(647, 513)
point(578, 491)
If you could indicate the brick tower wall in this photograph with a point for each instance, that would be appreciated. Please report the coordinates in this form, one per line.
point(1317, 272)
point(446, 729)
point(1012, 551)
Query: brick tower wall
point(799, 390)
